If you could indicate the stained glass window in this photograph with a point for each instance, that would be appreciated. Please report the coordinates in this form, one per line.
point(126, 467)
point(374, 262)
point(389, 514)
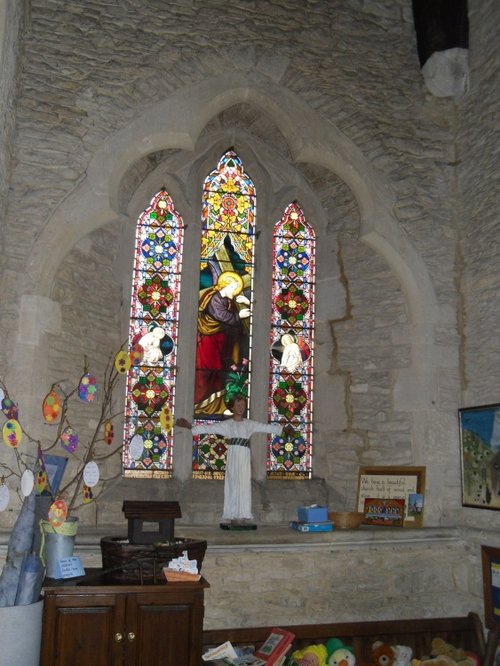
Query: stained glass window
point(148, 443)
point(292, 342)
point(223, 349)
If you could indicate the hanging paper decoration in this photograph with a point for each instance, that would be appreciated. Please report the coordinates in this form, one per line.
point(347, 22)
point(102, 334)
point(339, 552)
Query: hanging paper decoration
point(9, 408)
point(87, 493)
point(109, 432)
point(122, 362)
point(87, 390)
point(51, 407)
point(2, 394)
point(136, 354)
point(4, 497)
point(27, 482)
point(166, 419)
point(91, 474)
point(40, 480)
point(136, 447)
point(69, 439)
point(58, 513)
point(12, 433)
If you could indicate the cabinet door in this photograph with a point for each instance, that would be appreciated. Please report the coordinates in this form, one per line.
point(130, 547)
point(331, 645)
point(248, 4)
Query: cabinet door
point(83, 630)
point(164, 629)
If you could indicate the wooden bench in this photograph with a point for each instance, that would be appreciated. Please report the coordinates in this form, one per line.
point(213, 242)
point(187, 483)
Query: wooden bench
point(462, 632)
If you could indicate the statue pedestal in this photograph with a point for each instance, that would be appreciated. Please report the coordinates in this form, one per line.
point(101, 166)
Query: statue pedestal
point(238, 527)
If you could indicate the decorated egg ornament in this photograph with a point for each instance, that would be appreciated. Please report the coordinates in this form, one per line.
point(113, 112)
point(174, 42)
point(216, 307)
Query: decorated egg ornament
point(12, 433)
point(51, 407)
point(58, 513)
point(87, 390)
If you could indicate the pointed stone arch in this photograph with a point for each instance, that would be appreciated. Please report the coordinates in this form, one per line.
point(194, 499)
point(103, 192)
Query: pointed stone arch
point(177, 122)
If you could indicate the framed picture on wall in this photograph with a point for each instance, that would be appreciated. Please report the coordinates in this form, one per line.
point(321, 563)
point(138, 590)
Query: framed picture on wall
point(388, 483)
point(491, 585)
point(480, 456)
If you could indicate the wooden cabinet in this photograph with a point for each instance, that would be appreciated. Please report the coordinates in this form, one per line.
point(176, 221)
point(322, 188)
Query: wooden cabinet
point(123, 625)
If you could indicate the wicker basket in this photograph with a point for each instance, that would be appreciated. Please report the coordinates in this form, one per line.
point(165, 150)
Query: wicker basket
point(346, 520)
point(124, 562)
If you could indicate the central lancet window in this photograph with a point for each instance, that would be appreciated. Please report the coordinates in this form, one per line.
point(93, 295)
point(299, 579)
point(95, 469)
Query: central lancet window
point(224, 321)
point(226, 308)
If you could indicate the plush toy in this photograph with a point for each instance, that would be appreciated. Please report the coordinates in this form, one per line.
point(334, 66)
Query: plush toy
point(440, 660)
point(440, 648)
point(384, 654)
point(445, 660)
point(312, 655)
point(339, 654)
point(402, 655)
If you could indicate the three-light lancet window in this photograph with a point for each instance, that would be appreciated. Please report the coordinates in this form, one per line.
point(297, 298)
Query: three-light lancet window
point(225, 316)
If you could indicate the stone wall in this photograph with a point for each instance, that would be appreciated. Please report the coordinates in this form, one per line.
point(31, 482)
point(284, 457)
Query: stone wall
point(12, 20)
point(325, 103)
point(477, 211)
point(277, 576)
point(343, 581)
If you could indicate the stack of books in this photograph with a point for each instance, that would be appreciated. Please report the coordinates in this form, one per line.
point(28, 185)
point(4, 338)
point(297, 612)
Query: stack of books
point(275, 649)
point(313, 518)
point(273, 652)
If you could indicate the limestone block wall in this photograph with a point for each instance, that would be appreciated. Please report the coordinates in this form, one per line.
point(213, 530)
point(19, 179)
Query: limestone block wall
point(101, 82)
point(327, 104)
point(346, 580)
point(478, 215)
point(12, 19)
point(477, 221)
point(270, 577)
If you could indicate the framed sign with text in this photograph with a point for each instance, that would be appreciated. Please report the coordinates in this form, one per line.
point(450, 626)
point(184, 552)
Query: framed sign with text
point(392, 482)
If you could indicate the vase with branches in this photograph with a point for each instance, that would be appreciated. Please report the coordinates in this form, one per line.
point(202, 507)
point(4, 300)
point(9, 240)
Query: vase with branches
point(27, 470)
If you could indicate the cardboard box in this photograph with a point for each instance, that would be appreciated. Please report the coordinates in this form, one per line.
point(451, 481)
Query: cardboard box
point(312, 514)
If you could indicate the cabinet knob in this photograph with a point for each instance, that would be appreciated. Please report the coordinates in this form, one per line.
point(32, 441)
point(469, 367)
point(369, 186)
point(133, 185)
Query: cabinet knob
point(118, 637)
point(131, 636)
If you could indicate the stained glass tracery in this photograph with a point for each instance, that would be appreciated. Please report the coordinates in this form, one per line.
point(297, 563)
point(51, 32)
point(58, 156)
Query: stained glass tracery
point(292, 344)
point(223, 350)
point(224, 328)
point(153, 337)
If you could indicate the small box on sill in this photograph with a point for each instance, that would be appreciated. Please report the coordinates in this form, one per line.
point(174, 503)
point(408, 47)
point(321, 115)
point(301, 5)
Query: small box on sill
point(326, 526)
point(312, 514)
